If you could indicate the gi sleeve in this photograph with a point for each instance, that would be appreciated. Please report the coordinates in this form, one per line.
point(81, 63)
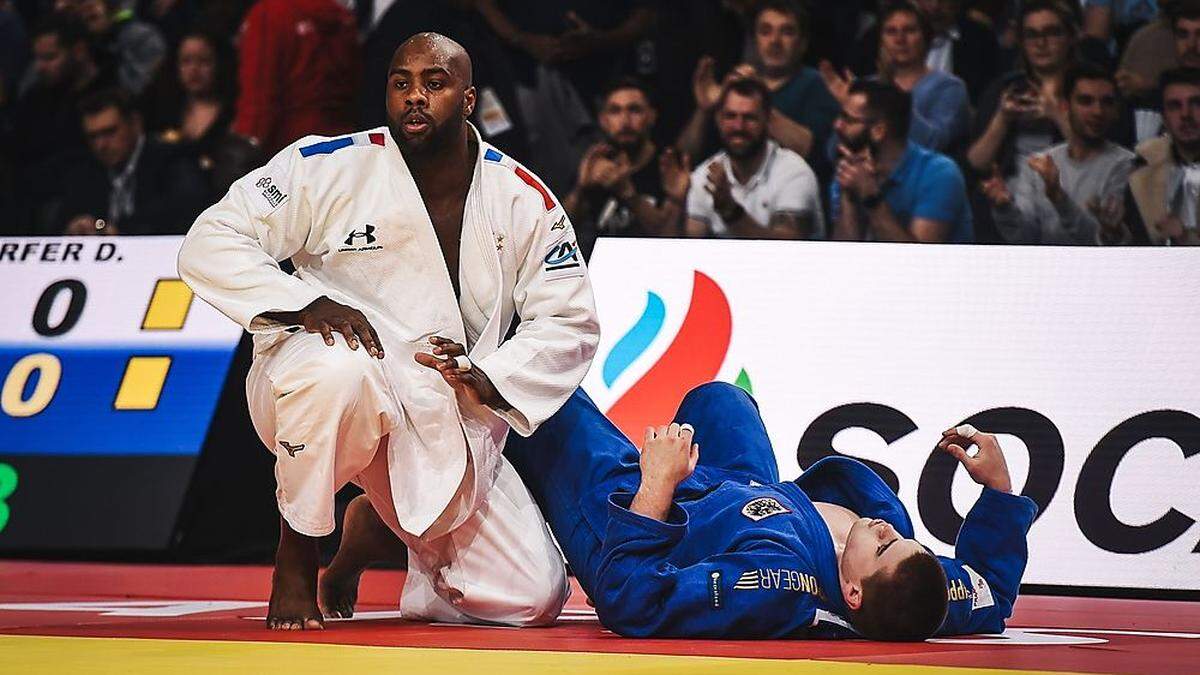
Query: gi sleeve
point(540, 366)
point(990, 556)
point(230, 256)
point(641, 592)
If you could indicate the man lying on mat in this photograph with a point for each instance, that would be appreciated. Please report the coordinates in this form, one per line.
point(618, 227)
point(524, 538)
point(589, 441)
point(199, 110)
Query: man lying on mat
point(698, 537)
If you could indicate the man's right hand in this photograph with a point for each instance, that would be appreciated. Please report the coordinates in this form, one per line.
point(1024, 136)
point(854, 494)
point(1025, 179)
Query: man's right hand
point(326, 317)
point(668, 456)
point(996, 189)
point(987, 467)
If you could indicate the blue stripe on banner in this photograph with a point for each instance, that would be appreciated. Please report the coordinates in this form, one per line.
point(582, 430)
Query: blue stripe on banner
point(491, 155)
point(326, 147)
point(81, 420)
point(635, 342)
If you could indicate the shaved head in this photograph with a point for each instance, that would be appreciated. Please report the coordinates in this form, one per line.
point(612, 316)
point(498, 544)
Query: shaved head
point(444, 51)
point(429, 93)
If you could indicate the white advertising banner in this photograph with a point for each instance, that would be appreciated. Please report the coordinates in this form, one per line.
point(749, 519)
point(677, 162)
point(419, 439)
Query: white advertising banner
point(1086, 361)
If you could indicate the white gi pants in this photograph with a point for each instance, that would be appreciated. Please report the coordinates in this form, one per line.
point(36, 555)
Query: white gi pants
point(325, 412)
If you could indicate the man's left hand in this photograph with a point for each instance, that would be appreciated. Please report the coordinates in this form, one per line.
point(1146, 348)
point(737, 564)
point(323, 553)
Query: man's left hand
point(722, 192)
point(856, 173)
point(472, 384)
point(1045, 167)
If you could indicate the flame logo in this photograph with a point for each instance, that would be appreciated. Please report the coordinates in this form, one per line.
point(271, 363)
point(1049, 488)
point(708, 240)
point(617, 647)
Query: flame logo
point(694, 357)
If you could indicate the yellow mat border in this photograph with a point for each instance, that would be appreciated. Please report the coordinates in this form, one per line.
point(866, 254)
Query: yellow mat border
point(134, 656)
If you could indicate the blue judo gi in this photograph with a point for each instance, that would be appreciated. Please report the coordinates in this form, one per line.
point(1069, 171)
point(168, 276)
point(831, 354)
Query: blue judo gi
point(742, 554)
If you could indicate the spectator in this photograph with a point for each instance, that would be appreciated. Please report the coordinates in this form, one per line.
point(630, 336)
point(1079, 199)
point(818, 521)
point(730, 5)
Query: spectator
point(1020, 115)
point(620, 190)
point(1182, 20)
point(46, 117)
point(1164, 190)
point(197, 95)
point(134, 48)
point(1113, 21)
point(961, 45)
point(14, 51)
point(132, 185)
point(753, 188)
point(564, 51)
point(941, 108)
point(802, 109)
point(888, 188)
point(1152, 51)
point(299, 71)
point(1063, 196)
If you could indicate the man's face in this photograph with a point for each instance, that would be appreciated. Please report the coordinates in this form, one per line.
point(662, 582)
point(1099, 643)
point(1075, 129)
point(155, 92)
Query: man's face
point(1092, 109)
point(111, 136)
point(777, 41)
point(1046, 41)
point(742, 124)
point(1187, 42)
point(942, 13)
point(51, 60)
point(1181, 114)
point(874, 546)
point(428, 96)
point(94, 15)
point(853, 125)
point(626, 119)
point(902, 40)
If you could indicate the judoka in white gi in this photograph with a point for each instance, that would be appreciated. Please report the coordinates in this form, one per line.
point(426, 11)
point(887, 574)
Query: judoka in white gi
point(419, 241)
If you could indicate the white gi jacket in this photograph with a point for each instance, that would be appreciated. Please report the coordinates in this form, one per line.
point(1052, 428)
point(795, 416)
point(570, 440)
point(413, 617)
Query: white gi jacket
point(349, 215)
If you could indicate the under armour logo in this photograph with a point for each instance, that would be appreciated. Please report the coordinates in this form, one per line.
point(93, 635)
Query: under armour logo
point(291, 449)
point(368, 232)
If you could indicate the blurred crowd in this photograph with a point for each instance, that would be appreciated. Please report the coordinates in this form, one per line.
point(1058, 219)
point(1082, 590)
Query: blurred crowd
point(992, 121)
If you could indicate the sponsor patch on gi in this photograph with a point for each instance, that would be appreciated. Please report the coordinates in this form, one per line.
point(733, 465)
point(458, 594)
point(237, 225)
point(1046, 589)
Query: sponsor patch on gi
point(772, 579)
point(981, 592)
point(763, 507)
point(361, 240)
point(714, 588)
point(268, 194)
point(562, 260)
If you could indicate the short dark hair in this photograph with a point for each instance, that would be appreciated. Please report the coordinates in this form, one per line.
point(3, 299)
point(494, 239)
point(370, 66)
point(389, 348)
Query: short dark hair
point(798, 12)
point(1189, 76)
point(107, 98)
point(622, 83)
point(905, 7)
point(68, 31)
point(887, 102)
point(1085, 70)
point(1068, 17)
point(748, 87)
point(1181, 9)
point(908, 606)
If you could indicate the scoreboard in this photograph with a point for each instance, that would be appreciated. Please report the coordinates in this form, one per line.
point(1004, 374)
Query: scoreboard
point(111, 372)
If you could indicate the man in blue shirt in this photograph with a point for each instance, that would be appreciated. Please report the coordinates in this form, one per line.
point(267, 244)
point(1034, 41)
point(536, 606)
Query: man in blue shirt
point(887, 188)
point(696, 536)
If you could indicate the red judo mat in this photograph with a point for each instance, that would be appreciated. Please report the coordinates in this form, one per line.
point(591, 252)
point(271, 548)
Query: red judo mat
point(228, 603)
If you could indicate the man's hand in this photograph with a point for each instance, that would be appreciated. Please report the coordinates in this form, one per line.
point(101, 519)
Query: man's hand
point(87, 224)
point(1110, 214)
point(704, 83)
point(987, 467)
point(676, 172)
point(856, 173)
point(1169, 227)
point(838, 84)
point(327, 317)
point(996, 189)
point(472, 383)
point(721, 190)
point(1045, 167)
point(668, 458)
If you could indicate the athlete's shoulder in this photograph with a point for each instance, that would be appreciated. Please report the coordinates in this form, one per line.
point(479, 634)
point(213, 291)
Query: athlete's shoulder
point(344, 148)
point(511, 176)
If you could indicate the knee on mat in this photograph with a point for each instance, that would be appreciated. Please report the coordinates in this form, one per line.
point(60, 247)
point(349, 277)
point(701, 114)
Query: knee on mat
point(541, 605)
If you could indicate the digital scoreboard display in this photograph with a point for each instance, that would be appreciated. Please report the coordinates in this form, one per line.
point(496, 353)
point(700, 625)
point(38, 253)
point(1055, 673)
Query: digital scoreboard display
point(111, 372)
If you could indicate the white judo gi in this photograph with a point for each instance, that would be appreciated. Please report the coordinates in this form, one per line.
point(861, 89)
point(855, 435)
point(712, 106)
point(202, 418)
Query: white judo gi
point(349, 215)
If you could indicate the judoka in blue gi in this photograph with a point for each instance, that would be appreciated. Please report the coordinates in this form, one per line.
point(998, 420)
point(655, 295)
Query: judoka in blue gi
point(696, 536)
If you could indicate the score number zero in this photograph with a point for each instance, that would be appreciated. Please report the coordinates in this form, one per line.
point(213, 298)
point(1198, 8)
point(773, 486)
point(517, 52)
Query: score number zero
point(144, 376)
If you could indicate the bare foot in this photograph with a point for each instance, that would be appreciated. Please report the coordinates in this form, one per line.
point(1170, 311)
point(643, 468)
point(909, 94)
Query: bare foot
point(294, 583)
point(366, 539)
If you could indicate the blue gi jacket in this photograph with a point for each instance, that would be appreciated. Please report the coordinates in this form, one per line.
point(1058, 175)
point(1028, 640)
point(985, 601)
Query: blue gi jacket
point(741, 555)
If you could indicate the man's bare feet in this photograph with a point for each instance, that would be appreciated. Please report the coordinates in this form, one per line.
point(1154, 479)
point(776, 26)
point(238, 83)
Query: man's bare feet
point(366, 539)
point(294, 583)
